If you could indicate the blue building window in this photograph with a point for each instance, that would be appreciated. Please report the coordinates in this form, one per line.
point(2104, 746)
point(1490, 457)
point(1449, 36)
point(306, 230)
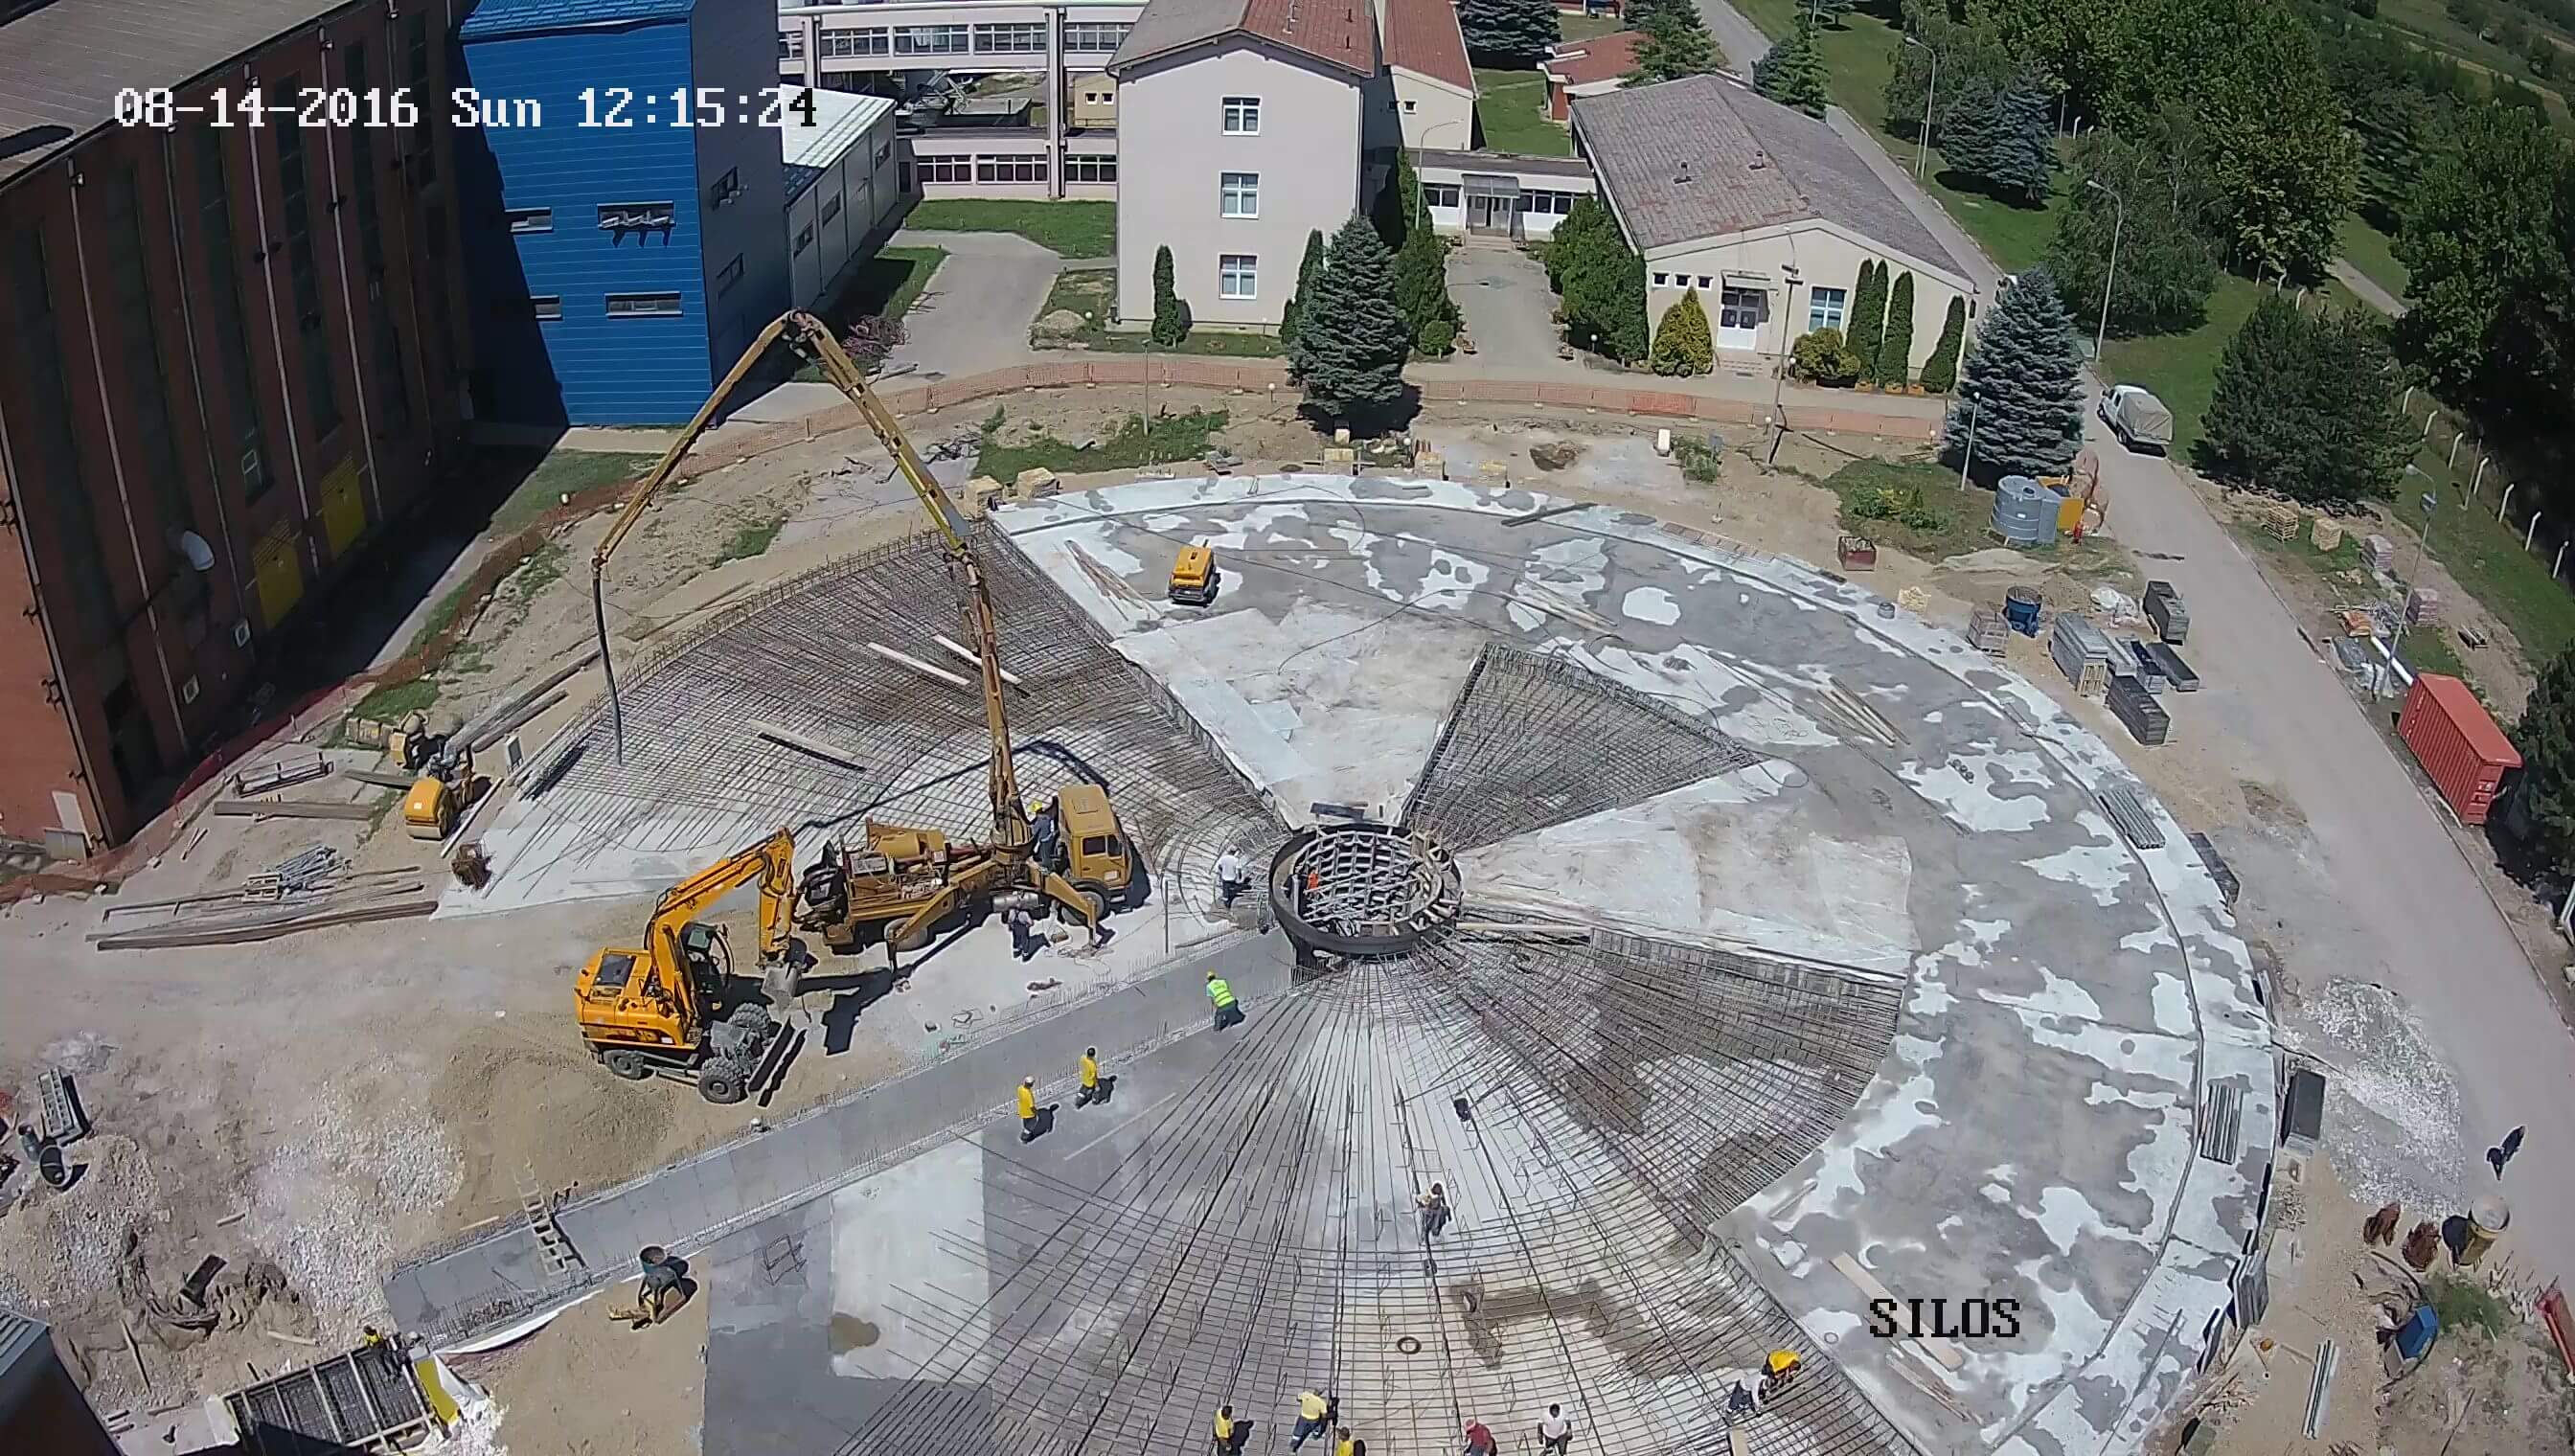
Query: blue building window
point(546, 305)
point(643, 305)
point(629, 216)
point(530, 219)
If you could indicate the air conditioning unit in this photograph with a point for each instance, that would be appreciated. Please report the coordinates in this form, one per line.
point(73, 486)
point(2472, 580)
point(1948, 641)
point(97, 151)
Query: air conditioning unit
point(188, 691)
point(241, 633)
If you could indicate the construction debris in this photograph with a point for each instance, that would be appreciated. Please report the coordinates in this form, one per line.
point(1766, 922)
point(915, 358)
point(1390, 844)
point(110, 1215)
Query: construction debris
point(282, 773)
point(309, 889)
point(786, 738)
point(291, 809)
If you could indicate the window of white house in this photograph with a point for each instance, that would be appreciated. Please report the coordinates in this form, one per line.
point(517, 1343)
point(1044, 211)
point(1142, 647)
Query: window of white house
point(1090, 169)
point(930, 40)
point(1704, 282)
point(1407, 105)
point(1093, 36)
point(1010, 168)
point(947, 169)
point(1825, 308)
point(1242, 194)
point(1662, 280)
point(1016, 36)
point(1243, 116)
point(1538, 203)
point(1440, 194)
point(1238, 276)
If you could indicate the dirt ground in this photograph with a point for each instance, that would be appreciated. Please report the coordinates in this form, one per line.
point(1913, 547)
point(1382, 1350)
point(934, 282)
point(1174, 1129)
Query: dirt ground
point(555, 1403)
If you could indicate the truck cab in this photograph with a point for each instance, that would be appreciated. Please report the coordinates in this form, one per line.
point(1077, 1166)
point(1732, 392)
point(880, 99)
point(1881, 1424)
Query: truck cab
point(1096, 853)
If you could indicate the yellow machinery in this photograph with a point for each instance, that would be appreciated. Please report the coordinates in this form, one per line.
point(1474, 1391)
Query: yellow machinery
point(668, 1007)
point(1194, 576)
point(446, 787)
point(898, 883)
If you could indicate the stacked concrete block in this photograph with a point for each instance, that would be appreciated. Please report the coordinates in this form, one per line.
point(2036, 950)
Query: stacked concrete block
point(2081, 652)
point(2422, 606)
point(2326, 534)
point(2377, 552)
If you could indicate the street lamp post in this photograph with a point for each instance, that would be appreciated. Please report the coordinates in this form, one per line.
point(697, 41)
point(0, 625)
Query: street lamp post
point(2118, 223)
point(1969, 457)
point(2422, 548)
point(1779, 376)
point(1922, 138)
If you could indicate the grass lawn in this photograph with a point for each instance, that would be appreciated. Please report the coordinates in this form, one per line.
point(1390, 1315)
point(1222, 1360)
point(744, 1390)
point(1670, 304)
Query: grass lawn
point(1074, 229)
point(2182, 368)
point(1859, 54)
point(1585, 27)
point(1136, 442)
point(1945, 522)
point(2429, 22)
point(1509, 111)
point(884, 286)
point(1088, 292)
point(564, 472)
point(2489, 563)
point(2373, 252)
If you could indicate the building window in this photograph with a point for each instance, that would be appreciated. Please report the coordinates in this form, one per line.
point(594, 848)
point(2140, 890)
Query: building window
point(1090, 169)
point(643, 305)
point(840, 45)
point(546, 305)
point(322, 400)
point(830, 207)
point(620, 217)
point(393, 384)
point(1092, 36)
point(1242, 194)
point(530, 219)
point(1238, 276)
point(1010, 168)
point(54, 465)
point(232, 334)
point(1408, 107)
point(144, 395)
point(1825, 308)
point(731, 273)
point(930, 40)
point(944, 169)
point(1243, 116)
point(1015, 38)
point(803, 238)
point(1662, 280)
point(790, 45)
point(1556, 204)
point(1440, 194)
point(726, 188)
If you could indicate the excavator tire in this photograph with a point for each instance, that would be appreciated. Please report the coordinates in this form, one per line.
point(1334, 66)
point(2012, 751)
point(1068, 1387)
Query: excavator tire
point(1089, 892)
point(723, 1083)
point(630, 1065)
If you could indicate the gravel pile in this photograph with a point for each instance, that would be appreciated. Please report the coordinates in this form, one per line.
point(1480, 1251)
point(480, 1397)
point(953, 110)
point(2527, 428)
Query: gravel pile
point(325, 1206)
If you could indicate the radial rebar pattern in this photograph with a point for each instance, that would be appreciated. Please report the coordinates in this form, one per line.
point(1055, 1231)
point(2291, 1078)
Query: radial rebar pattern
point(1588, 1109)
point(797, 657)
point(1368, 881)
point(1536, 741)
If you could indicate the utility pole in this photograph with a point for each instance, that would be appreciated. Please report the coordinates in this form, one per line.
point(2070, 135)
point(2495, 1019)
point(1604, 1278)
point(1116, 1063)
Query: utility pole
point(1967, 459)
point(1922, 138)
point(2118, 225)
point(2422, 548)
point(1779, 376)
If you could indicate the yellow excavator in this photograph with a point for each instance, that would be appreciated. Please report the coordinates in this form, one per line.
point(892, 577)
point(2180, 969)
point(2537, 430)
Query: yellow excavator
point(898, 883)
point(673, 1005)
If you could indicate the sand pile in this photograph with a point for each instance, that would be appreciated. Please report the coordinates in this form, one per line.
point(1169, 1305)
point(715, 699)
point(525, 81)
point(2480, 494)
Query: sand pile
point(545, 1107)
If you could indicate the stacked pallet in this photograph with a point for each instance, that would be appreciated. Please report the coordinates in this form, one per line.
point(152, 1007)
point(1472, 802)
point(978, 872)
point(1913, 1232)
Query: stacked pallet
point(1987, 630)
point(2081, 652)
point(2137, 709)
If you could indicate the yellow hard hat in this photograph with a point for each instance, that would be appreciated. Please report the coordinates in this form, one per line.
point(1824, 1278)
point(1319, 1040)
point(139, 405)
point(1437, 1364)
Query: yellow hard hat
point(1782, 1361)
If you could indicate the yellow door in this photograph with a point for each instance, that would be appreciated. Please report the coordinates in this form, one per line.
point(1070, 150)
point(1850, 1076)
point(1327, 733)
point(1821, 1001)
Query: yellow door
point(344, 510)
point(278, 566)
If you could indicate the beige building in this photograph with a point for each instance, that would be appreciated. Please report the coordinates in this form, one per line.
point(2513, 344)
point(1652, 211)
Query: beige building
point(1241, 128)
point(1765, 211)
point(1432, 87)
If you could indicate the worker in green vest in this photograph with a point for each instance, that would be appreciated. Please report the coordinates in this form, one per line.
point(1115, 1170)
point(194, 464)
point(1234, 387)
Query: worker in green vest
point(1221, 996)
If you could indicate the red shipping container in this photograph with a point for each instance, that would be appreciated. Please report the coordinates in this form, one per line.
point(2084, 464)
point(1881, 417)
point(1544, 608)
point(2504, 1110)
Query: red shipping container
point(2457, 742)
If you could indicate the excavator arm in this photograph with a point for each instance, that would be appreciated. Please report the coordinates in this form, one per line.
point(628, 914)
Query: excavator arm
point(771, 861)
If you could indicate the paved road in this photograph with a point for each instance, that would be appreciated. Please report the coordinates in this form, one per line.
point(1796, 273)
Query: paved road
point(2367, 287)
point(2409, 896)
point(975, 312)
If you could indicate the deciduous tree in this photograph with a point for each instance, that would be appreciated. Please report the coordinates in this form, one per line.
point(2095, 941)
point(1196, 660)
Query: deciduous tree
point(1353, 340)
point(2546, 738)
point(2022, 377)
point(2167, 245)
point(1604, 295)
point(2486, 239)
point(1682, 344)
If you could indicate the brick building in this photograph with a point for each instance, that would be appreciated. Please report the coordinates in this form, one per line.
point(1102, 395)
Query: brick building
point(234, 356)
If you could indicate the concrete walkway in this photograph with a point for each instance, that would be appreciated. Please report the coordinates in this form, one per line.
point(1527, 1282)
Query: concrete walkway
point(974, 315)
point(2366, 287)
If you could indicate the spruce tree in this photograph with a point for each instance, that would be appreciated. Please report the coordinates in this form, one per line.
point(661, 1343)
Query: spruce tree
point(1675, 43)
point(1866, 330)
point(1422, 292)
point(2546, 738)
point(1792, 72)
point(2002, 135)
point(2022, 383)
point(1605, 297)
point(1940, 371)
point(1351, 341)
point(1682, 344)
point(1895, 356)
point(1514, 33)
point(1306, 272)
point(1171, 312)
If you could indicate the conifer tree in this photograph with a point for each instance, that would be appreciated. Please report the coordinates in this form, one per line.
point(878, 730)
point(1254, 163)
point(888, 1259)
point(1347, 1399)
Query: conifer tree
point(1895, 356)
point(2022, 383)
point(1351, 340)
point(1682, 344)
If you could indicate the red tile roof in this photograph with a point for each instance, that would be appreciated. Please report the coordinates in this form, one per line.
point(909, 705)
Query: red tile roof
point(1343, 32)
point(1422, 37)
point(1603, 58)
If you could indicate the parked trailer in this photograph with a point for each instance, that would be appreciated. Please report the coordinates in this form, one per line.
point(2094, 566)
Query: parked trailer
point(2456, 740)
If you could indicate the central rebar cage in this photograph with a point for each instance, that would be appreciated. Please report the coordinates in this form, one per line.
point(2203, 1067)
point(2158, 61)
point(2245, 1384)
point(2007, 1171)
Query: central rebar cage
point(1364, 888)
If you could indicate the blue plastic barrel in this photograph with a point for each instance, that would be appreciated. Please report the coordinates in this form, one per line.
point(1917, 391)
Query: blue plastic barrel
point(2020, 611)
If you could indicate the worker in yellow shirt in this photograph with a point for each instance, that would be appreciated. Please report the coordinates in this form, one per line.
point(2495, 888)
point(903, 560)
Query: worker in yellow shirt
point(1227, 1442)
point(1027, 1109)
point(1342, 1445)
point(1090, 1090)
point(1313, 1417)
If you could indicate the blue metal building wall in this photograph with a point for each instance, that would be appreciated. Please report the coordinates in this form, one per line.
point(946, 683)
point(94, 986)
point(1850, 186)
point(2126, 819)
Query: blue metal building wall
point(586, 367)
point(735, 53)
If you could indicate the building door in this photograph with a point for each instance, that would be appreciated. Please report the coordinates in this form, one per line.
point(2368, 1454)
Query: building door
point(1493, 207)
point(1738, 318)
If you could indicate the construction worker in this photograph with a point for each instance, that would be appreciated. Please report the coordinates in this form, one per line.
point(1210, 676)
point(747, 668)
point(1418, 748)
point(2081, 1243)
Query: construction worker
point(1027, 1109)
point(1225, 1432)
point(1342, 1445)
point(1230, 876)
point(1480, 1438)
point(1434, 1211)
point(1090, 1092)
point(1777, 1372)
point(1313, 1417)
point(1555, 1433)
point(1221, 996)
